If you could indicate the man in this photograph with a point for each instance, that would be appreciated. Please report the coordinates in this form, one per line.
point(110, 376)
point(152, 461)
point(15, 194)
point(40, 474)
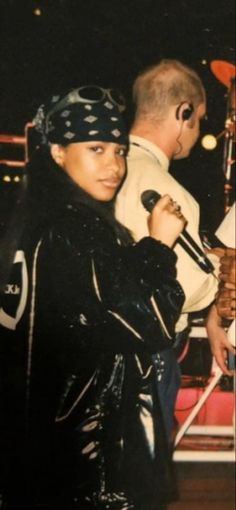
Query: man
point(222, 343)
point(170, 103)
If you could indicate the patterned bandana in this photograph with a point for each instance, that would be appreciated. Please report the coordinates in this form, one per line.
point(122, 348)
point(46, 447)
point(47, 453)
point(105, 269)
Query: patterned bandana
point(81, 122)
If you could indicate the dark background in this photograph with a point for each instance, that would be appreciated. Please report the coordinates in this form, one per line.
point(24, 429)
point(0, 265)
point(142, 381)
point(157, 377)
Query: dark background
point(108, 42)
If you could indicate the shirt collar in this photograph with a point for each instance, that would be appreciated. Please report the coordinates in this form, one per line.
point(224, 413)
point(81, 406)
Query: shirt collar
point(151, 148)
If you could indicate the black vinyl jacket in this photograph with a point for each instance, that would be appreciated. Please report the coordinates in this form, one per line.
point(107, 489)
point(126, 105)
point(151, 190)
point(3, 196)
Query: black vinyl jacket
point(87, 430)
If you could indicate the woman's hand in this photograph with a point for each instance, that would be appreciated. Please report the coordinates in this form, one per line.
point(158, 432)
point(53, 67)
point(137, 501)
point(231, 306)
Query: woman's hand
point(166, 222)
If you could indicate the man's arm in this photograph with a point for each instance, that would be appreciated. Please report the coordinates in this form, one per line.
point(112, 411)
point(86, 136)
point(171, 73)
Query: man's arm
point(224, 308)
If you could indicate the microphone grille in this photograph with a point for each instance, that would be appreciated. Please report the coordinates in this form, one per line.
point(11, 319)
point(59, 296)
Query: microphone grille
point(149, 199)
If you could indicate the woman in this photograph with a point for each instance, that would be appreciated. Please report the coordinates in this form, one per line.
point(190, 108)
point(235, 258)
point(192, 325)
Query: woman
point(98, 313)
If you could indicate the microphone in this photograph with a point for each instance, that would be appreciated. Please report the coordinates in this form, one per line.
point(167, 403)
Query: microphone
point(149, 199)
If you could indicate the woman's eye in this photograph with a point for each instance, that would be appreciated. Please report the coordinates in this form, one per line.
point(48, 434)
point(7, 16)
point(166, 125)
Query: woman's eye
point(122, 152)
point(97, 149)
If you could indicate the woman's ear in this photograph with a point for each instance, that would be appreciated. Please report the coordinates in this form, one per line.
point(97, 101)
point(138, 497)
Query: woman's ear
point(57, 153)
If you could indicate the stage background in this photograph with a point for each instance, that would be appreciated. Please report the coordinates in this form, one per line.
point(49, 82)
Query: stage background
point(50, 45)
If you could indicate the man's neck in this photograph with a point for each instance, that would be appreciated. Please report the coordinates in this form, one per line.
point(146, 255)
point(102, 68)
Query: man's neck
point(156, 136)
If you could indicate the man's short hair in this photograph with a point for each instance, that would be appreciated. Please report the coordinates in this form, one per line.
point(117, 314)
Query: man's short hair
point(166, 84)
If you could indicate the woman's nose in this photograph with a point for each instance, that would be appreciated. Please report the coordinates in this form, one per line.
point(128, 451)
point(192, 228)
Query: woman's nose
point(113, 165)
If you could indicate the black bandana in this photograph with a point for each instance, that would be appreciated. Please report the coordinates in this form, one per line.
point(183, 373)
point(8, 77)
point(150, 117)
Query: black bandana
point(81, 122)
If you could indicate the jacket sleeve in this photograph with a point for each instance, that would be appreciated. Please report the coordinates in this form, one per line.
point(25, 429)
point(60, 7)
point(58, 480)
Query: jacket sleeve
point(138, 288)
point(132, 287)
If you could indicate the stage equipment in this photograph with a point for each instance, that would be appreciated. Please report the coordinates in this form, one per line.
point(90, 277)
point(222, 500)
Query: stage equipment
point(209, 141)
point(16, 140)
point(225, 72)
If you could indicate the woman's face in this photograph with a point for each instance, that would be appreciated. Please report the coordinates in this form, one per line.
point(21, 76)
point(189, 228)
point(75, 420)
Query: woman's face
point(97, 167)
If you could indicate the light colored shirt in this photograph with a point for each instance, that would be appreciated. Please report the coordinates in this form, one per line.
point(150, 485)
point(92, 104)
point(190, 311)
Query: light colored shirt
point(226, 230)
point(148, 169)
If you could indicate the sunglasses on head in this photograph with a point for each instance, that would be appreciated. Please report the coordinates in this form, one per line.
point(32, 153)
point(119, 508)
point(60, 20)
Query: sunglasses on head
point(89, 95)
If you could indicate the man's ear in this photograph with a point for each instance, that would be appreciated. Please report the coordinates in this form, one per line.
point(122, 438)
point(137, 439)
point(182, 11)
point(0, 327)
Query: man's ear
point(184, 111)
point(57, 153)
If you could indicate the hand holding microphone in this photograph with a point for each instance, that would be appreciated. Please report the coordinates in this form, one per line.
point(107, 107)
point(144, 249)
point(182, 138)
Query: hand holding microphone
point(149, 199)
point(166, 221)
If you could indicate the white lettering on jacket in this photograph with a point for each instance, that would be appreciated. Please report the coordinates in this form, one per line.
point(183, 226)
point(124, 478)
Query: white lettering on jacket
point(7, 320)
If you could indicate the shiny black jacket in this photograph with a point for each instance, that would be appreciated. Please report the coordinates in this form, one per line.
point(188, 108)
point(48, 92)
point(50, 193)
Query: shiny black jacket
point(99, 313)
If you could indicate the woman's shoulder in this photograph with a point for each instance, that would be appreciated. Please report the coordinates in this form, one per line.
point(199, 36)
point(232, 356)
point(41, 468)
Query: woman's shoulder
point(79, 224)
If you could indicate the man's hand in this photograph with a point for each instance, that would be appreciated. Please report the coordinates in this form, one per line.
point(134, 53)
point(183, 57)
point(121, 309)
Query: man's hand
point(220, 345)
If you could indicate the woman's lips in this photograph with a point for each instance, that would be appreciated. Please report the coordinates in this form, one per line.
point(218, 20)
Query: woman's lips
point(111, 183)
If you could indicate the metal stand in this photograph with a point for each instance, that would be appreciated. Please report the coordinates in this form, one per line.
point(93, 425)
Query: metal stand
point(229, 148)
point(227, 431)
